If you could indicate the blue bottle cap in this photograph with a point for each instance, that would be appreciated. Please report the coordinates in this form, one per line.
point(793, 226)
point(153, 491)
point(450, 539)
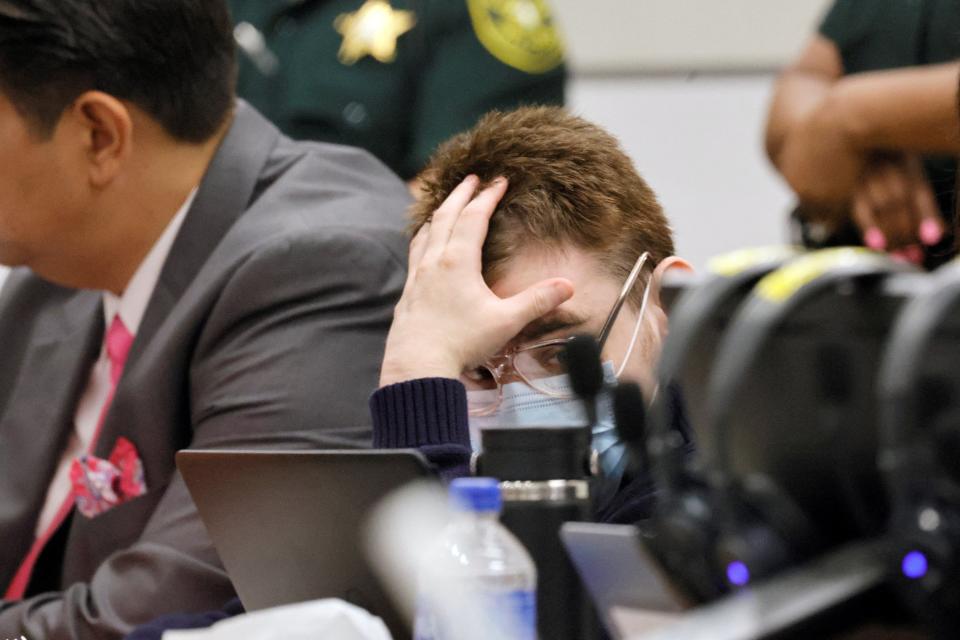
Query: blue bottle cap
point(475, 494)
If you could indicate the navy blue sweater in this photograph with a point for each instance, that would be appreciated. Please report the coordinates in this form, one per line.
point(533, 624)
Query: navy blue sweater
point(430, 414)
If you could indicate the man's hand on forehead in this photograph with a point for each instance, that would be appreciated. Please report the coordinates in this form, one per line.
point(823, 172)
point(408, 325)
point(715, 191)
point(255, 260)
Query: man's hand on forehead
point(448, 319)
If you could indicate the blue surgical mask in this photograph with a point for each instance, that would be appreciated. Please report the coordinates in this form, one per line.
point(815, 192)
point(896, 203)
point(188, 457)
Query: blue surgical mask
point(522, 406)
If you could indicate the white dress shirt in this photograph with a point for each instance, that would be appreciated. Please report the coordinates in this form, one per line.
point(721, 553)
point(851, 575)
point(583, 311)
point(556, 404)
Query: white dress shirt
point(131, 307)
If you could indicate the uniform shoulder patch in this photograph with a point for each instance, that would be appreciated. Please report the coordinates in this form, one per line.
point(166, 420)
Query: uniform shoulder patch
point(519, 33)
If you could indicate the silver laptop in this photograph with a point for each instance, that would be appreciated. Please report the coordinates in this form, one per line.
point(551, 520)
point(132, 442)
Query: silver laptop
point(288, 524)
point(625, 583)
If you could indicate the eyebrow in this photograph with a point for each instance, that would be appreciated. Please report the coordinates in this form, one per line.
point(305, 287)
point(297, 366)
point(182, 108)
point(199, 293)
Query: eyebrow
point(557, 321)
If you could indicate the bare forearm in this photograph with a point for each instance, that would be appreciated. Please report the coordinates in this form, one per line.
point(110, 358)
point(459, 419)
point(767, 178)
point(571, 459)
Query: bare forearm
point(911, 110)
point(800, 90)
point(819, 161)
point(796, 96)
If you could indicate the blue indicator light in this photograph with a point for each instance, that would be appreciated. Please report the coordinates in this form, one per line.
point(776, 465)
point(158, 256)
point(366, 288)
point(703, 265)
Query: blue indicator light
point(738, 574)
point(914, 565)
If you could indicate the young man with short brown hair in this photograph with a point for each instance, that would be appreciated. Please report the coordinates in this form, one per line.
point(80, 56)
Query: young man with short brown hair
point(533, 227)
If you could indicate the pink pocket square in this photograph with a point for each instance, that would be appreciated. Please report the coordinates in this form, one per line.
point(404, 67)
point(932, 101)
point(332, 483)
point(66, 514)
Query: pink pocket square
point(100, 485)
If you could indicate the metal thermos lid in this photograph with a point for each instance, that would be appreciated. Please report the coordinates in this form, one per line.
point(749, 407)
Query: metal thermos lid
point(536, 454)
point(545, 491)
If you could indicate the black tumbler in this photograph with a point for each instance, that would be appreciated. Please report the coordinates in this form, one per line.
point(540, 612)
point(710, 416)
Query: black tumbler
point(544, 477)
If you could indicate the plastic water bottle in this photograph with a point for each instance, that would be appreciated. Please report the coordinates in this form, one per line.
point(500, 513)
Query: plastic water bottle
point(478, 582)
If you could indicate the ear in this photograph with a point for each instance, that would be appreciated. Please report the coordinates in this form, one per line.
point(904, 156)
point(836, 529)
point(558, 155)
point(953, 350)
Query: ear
point(657, 314)
point(107, 130)
point(667, 264)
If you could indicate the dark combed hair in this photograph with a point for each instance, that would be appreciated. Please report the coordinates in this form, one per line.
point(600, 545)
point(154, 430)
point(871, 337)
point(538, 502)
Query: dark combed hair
point(570, 182)
point(174, 59)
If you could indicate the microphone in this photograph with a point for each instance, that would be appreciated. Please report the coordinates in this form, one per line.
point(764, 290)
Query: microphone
point(630, 415)
point(586, 372)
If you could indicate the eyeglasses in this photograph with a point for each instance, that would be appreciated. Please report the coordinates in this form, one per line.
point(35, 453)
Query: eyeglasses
point(538, 364)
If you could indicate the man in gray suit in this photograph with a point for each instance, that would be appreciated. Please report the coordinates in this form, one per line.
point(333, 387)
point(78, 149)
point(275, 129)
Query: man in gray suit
point(184, 276)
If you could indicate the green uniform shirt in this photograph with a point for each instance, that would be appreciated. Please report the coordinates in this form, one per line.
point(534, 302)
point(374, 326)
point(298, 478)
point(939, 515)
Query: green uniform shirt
point(873, 35)
point(398, 77)
point(888, 34)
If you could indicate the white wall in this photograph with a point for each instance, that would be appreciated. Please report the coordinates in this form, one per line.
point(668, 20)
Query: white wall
point(645, 35)
point(684, 84)
point(698, 141)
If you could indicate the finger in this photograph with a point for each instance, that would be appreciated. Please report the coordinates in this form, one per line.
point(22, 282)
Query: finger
point(417, 246)
point(930, 230)
point(863, 217)
point(890, 212)
point(471, 228)
point(445, 217)
point(903, 214)
point(537, 301)
point(876, 188)
point(895, 224)
point(912, 254)
point(895, 183)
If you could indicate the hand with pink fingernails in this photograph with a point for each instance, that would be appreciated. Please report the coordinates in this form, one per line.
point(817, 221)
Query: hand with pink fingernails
point(930, 232)
point(874, 239)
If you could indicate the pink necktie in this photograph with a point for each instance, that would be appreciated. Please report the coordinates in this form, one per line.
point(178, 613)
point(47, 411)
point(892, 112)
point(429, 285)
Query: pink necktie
point(117, 342)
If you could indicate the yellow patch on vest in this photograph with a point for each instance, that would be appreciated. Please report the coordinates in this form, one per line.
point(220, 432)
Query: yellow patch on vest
point(781, 285)
point(519, 33)
point(736, 262)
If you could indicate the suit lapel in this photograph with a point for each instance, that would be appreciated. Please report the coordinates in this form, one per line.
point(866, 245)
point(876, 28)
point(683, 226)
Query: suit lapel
point(225, 193)
point(35, 428)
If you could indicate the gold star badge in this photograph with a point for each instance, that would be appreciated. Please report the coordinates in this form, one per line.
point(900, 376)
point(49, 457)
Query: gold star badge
point(372, 30)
